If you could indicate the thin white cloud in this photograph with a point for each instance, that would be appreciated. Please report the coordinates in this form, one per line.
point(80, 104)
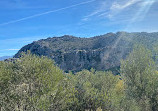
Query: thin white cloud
point(108, 9)
point(142, 12)
point(99, 10)
point(119, 6)
point(12, 49)
point(9, 49)
point(48, 12)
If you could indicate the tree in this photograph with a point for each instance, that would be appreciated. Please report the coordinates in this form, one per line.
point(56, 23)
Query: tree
point(33, 83)
point(97, 89)
point(140, 78)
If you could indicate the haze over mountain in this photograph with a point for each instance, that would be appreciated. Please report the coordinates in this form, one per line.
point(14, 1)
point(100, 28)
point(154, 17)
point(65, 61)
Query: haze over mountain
point(100, 52)
point(5, 57)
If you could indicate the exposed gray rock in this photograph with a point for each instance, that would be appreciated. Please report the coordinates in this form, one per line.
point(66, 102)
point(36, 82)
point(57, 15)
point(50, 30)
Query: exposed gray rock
point(100, 52)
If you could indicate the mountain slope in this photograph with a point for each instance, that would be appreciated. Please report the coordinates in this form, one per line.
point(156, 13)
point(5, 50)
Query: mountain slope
point(101, 52)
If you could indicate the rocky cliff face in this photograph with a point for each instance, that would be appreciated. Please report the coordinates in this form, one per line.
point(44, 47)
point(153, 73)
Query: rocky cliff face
point(87, 59)
point(101, 52)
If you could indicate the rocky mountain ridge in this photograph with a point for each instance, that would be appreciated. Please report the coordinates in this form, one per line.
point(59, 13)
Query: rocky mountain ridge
point(100, 52)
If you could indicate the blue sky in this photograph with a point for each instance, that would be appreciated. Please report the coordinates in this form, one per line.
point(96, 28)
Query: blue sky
point(24, 21)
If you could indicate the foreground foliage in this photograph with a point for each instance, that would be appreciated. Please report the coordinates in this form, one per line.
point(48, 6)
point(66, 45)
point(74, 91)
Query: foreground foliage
point(141, 79)
point(33, 83)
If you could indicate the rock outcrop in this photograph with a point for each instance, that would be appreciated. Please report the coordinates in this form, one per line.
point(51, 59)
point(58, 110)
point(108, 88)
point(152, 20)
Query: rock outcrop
point(101, 52)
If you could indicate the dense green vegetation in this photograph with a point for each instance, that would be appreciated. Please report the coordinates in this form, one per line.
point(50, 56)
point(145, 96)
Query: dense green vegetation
point(33, 83)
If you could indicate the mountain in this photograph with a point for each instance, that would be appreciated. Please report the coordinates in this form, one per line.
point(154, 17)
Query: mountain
point(100, 52)
point(5, 57)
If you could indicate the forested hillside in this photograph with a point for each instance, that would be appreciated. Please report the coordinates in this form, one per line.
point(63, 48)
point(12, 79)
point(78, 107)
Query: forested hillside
point(33, 83)
point(100, 52)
